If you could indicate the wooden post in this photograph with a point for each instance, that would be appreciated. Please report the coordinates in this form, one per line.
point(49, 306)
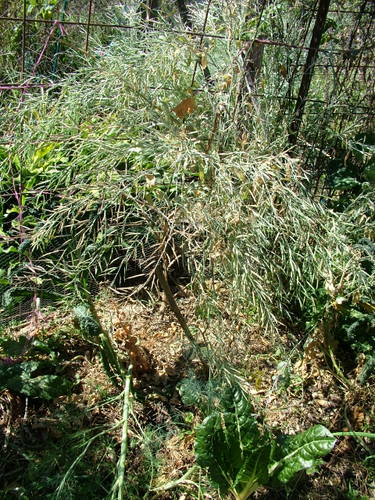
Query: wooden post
point(252, 54)
point(308, 70)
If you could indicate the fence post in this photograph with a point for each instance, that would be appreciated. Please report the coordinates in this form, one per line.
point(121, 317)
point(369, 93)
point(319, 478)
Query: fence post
point(91, 8)
point(308, 69)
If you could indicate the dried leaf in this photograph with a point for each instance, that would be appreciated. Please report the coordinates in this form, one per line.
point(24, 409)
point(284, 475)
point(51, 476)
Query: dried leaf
point(186, 107)
point(358, 417)
point(226, 81)
point(324, 403)
point(203, 61)
point(150, 180)
point(369, 308)
point(283, 71)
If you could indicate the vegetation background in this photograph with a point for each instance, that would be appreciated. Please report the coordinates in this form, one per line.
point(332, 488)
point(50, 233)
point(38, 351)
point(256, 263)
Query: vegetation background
point(187, 249)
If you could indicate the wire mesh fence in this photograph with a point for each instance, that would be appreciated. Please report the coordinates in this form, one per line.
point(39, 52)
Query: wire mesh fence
point(47, 38)
point(317, 62)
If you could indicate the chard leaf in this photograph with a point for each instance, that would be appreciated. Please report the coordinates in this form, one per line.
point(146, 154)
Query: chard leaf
point(234, 451)
point(23, 378)
point(14, 347)
point(302, 452)
point(46, 387)
point(254, 471)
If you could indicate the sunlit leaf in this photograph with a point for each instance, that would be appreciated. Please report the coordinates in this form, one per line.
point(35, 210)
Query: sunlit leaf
point(150, 180)
point(203, 61)
point(41, 152)
point(302, 452)
point(226, 81)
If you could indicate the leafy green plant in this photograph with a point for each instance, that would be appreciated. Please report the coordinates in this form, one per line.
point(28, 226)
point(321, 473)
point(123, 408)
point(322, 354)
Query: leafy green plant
point(22, 371)
point(353, 494)
point(241, 456)
point(23, 377)
point(350, 168)
point(357, 329)
point(89, 324)
point(355, 333)
point(205, 395)
point(43, 8)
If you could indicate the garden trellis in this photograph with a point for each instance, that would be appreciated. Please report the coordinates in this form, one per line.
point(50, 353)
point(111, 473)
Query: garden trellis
point(43, 41)
point(40, 31)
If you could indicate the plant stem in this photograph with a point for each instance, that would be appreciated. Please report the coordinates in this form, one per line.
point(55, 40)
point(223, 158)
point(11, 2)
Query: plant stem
point(124, 437)
point(247, 491)
point(355, 434)
point(176, 310)
point(182, 480)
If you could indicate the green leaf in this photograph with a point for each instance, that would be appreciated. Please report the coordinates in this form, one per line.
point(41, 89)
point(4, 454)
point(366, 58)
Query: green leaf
point(46, 387)
point(24, 246)
point(302, 451)
point(3, 278)
point(86, 322)
point(14, 347)
point(234, 451)
point(11, 249)
point(23, 378)
point(191, 391)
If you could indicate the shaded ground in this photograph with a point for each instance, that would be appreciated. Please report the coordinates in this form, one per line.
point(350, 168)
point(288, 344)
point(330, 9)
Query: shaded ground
point(41, 439)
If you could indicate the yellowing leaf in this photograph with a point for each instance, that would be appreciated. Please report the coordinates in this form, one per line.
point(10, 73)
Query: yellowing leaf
point(226, 81)
point(150, 180)
point(41, 152)
point(203, 61)
point(283, 70)
point(186, 107)
point(369, 308)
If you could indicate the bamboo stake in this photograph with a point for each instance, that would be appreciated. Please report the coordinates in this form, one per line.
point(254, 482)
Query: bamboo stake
point(91, 8)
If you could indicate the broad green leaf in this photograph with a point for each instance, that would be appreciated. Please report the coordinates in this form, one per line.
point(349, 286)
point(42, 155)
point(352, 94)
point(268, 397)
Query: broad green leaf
point(13, 375)
point(15, 347)
point(234, 451)
point(46, 387)
point(13, 210)
point(86, 322)
point(23, 378)
point(302, 451)
point(11, 249)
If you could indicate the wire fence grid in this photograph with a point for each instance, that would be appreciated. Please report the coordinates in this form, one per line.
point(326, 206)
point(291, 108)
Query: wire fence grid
point(39, 46)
